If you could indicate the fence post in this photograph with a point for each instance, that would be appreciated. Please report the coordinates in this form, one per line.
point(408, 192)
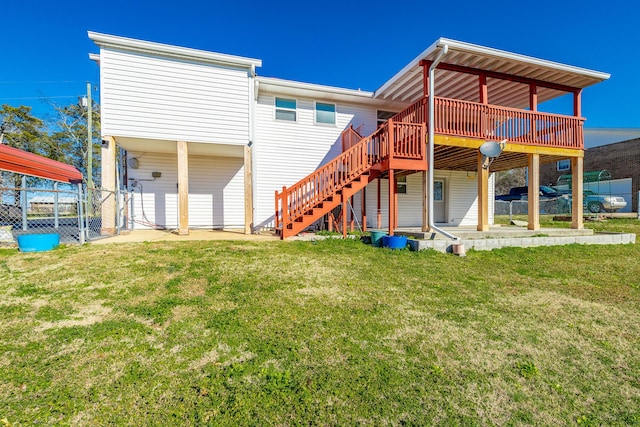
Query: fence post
point(116, 194)
point(23, 202)
point(80, 215)
point(88, 212)
point(55, 205)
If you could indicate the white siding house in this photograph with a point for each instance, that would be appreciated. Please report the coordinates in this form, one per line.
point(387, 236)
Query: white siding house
point(207, 142)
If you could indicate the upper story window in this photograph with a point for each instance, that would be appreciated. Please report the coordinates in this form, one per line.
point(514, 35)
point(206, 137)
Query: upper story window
point(286, 109)
point(563, 165)
point(325, 113)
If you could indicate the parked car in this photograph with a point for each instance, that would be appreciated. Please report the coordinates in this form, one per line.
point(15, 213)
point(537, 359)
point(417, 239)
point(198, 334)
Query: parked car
point(521, 193)
point(597, 203)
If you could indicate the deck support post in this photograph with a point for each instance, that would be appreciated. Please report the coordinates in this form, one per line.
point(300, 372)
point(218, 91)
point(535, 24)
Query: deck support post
point(345, 202)
point(392, 201)
point(248, 190)
point(379, 211)
point(533, 192)
point(183, 188)
point(483, 195)
point(363, 211)
point(108, 184)
point(577, 187)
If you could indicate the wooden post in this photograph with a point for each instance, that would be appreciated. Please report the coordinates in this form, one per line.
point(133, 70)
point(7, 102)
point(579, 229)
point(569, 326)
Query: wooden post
point(483, 92)
point(248, 191)
point(108, 183)
point(425, 79)
point(577, 103)
point(577, 170)
point(533, 106)
point(183, 188)
point(534, 192)
point(392, 201)
point(379, 212)
point(364, 209)
point(345, 201)
point(483, 196)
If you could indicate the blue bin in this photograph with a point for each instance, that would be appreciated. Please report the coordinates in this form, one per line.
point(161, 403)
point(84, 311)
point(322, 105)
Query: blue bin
point(38, 242)
point(376, 238)
point(396, 242)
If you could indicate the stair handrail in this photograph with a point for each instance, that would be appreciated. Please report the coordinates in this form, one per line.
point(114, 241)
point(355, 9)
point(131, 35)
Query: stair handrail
point(330, 178)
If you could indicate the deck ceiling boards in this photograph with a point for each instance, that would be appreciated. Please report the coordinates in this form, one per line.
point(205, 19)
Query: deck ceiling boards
point(406, 86)
point(25, 163)
point(448, 157)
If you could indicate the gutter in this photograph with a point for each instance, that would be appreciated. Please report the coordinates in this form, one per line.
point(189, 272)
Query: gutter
point(430, 144)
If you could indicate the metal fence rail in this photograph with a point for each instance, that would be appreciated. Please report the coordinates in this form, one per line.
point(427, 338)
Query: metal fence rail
point(34, 206)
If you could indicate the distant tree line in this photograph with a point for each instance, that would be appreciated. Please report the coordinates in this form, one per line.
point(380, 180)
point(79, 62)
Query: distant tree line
point(62, 137)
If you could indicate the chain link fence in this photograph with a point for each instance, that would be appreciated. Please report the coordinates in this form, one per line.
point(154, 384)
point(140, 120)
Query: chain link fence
point(555, 206)
point(77, 214)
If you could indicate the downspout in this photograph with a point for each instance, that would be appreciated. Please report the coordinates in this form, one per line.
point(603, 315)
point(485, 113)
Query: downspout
point(430, 147)
point(253, 97)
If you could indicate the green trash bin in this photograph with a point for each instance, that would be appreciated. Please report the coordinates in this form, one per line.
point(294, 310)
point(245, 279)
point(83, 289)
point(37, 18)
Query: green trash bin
point(376, 237)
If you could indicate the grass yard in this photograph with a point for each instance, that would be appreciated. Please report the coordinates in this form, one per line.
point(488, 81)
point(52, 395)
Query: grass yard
point(327, 333)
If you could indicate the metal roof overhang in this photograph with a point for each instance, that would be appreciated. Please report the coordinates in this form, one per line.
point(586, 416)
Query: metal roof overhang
point(554, 79)
point(23, 162)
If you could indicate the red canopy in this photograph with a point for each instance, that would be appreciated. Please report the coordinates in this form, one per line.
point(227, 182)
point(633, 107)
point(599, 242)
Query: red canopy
point(15, 160)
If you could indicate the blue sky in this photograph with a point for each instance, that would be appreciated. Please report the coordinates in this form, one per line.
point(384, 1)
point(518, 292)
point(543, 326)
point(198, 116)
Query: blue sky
point(353, 44)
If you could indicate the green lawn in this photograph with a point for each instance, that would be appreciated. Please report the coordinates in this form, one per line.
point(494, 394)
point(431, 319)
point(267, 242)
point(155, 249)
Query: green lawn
point(326, 333)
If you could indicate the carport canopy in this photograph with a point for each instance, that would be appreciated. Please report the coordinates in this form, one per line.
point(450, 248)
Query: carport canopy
point(23, 162)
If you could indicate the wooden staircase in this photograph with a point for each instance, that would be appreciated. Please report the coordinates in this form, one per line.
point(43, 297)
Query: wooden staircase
point(400, 144)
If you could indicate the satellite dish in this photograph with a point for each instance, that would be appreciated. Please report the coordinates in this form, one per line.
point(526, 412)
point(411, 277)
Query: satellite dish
point(490, 150)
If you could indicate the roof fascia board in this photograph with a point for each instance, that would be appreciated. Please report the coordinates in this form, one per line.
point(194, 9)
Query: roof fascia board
point(472, 48)
point(476, 49)
point(109, 41)
point(414, 62)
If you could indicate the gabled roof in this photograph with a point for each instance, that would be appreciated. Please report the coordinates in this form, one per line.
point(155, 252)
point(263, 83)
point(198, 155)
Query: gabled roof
point(406, 85)
point(15, 160)
point(134, 45)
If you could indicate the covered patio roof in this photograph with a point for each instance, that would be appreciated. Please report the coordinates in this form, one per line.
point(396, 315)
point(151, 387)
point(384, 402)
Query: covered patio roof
point(508, 76)
point(23, 162)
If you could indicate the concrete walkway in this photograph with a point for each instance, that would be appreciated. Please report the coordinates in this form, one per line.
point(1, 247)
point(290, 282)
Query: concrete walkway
point(167, 235)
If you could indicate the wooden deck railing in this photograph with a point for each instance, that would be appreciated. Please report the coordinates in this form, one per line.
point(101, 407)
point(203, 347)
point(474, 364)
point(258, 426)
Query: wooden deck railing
point(350, 137)
point(408, 143)
point(474, 120)
point(403, 137)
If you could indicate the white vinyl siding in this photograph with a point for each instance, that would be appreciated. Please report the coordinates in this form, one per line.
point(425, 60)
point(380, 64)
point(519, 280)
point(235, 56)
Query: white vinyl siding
point(216, 192)
point(460, 195)
point(145, 96)
point(286, 152)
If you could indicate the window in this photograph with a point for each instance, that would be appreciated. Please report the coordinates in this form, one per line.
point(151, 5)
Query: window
point(438, 187)
point(401, 185)
point(325, 113)
point(383, 116)
point(286, 109)
point(564, 165)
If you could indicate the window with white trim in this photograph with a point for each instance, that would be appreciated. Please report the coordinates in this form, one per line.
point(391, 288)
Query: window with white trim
point(563, 165)
point(286, 109)
point(325, 113)
point(401, 185)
